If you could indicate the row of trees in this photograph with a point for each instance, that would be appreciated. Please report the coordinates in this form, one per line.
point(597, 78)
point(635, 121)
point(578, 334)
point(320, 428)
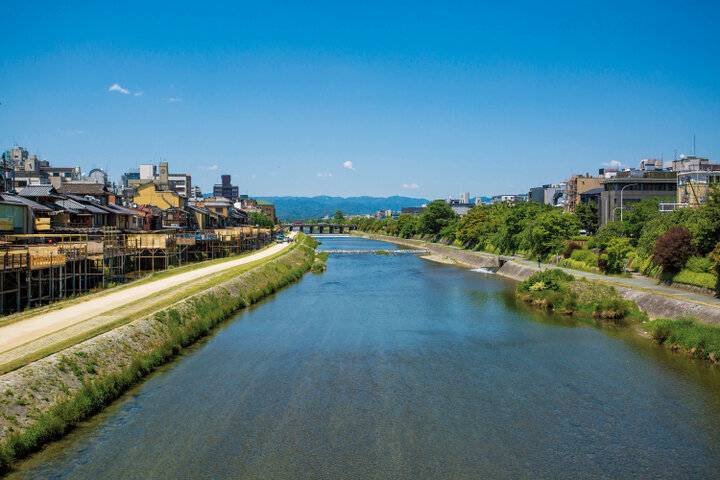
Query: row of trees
point(542, 230)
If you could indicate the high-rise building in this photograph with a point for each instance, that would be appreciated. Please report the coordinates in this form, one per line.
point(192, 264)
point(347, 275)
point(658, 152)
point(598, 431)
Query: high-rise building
point(226, 189)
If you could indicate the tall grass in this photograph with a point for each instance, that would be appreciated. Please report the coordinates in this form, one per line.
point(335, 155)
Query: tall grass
point(202, 314)
point(687, 334)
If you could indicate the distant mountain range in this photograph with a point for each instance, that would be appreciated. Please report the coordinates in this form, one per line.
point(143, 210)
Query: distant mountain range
point(300, 208)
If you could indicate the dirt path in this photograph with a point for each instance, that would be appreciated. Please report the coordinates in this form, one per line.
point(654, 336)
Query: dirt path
point(19, 333)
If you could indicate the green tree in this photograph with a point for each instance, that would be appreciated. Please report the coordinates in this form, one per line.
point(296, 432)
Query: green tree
point(550, 232)
point(436, 217)
point(339, 215)
point(588, 217)
point(473, 227)
point(257, 218)
point(613, 259)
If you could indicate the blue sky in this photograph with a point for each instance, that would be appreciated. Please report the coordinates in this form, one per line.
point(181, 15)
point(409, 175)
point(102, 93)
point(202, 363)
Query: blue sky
point(422, 99)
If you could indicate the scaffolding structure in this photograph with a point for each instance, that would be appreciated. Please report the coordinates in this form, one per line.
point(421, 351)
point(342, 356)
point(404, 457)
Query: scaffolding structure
point(42, 268)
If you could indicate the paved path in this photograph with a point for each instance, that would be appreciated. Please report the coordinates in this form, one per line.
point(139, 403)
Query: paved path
point(32, 328)
point(640, 282)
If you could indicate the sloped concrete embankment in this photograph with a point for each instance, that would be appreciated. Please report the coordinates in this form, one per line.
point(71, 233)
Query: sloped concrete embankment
point(42, 400)
point(660, 306)
point(655, 305)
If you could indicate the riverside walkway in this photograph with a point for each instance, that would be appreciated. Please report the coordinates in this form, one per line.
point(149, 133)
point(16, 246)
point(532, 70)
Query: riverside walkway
point(56, 325)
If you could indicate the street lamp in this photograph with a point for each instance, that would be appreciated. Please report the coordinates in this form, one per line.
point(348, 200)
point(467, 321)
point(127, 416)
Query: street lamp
point(621, 200)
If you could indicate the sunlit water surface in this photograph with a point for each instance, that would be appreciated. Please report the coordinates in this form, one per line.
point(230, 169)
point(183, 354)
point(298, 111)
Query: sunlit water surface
point(395, 367)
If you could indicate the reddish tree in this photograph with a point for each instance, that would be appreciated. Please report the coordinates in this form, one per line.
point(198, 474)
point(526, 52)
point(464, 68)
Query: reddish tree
point(673, 248)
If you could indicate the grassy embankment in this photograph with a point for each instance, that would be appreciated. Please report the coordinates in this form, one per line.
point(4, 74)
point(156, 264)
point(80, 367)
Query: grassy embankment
point(138, 309)
point(557, 291)
point(318, 265)
point(687, 335)
point(182, 327)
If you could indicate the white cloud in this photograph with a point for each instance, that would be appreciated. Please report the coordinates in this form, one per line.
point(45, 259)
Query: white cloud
point(349, 165)
point(174, 99)
point(137, 94)
point(613, 164)
point(211, 167)
point(410, 185)
point(118, 88)
point(321, 174)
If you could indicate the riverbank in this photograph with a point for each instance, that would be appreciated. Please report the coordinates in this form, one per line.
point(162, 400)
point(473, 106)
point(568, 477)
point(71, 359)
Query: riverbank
point(43, 400)
point(656, 303)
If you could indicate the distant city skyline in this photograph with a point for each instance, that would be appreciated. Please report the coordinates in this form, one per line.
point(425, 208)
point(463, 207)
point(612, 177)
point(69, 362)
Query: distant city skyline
point(372, 99)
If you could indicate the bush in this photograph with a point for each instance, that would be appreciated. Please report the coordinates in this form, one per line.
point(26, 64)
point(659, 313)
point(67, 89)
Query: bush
point(699, 339)
point(588, 257)
point(613, 259)
point(673, 248)
point(699, 265)
point(688, 277)
point(571, 247)
point(551, 280)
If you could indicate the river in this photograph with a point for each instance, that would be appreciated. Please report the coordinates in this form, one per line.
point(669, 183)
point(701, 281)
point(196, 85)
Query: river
point(395, 367)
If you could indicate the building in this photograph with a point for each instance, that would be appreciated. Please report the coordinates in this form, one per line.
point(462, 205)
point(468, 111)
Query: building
point(465, 197)
point(579, 184)
point(695, 177)
point(225, 189)
point(412, 210)
point(632, 186)
point(267, 209)
point(511, 199)
point(181, 183)
point(554, 194)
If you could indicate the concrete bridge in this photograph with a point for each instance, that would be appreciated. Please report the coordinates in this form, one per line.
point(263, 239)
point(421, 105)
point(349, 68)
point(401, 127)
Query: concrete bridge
point(320, 227)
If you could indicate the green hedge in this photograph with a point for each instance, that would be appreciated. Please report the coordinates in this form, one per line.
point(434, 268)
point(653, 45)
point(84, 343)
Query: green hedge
point(704, 280)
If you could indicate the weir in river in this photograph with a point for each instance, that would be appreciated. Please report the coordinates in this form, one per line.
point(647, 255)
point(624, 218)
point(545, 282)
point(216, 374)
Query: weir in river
point(395, 367)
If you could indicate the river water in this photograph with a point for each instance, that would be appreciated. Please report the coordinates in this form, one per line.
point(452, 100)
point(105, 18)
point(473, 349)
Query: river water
point(395, 367)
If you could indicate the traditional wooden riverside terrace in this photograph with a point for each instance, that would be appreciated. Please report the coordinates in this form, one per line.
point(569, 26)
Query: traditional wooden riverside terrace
point(41, 268)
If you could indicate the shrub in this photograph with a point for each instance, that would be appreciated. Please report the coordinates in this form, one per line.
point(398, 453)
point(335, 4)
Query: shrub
point(571, 247)
point(699, 339)
point(613, 259)
point(699, 264)
point(585, 256)
point(673, 248)
point(704, 280)
point(551, 279)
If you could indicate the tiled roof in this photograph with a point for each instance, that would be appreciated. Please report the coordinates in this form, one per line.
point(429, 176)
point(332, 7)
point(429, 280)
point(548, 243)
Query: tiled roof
point(119, 210)
point(38, 191)
point(93, 189)
point(70, 205)
point(26, 201)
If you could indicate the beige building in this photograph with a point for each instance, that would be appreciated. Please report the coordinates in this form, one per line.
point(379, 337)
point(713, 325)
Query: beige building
point(579, 184)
